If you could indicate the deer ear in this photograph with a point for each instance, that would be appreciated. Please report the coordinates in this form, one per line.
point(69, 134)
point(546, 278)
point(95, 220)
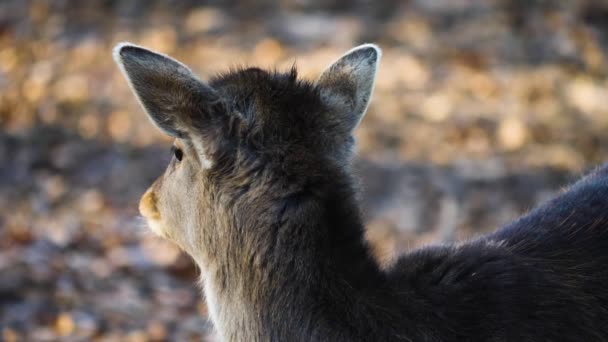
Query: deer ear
point(172, 96)
point(347, 85)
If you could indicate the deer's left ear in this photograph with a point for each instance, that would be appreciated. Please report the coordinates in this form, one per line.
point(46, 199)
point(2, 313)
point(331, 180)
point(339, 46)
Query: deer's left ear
point(173, 97)
point(346, 86)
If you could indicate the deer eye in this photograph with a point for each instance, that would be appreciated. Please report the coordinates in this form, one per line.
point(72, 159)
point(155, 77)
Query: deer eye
point(178, 153)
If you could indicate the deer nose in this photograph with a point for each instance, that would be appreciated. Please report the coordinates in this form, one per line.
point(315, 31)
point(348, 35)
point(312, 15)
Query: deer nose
point(147, 205)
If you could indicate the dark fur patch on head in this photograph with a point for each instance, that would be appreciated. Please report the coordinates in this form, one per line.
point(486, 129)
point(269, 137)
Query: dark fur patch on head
point(274, 104)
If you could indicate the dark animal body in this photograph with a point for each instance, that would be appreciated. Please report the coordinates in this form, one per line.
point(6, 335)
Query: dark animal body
point(540, 278)
point(274, 223)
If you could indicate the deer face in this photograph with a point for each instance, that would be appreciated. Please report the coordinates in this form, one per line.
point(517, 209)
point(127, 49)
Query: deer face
point(242, 140)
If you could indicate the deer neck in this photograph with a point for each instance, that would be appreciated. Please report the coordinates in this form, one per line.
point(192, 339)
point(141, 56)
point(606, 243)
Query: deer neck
point(310, 266)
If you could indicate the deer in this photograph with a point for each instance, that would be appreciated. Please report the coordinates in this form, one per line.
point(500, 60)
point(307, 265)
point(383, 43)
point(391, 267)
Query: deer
point(260, 194)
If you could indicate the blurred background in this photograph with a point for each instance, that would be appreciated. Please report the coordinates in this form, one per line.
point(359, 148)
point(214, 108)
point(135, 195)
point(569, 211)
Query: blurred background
point(482, 109)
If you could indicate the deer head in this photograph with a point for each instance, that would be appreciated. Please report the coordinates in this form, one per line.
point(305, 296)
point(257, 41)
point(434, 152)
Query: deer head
point(240, 131)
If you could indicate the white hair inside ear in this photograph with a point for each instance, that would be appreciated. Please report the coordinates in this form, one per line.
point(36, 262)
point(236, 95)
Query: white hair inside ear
point(348, 83)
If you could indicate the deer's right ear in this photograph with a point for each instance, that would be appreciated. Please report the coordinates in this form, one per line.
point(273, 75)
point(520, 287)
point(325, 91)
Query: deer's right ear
point(348, 83)
point(172, 96)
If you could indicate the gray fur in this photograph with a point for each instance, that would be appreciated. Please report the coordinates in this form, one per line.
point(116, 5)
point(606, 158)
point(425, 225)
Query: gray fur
point(261, 196)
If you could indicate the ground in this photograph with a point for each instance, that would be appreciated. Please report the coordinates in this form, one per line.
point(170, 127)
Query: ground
point(482, 109)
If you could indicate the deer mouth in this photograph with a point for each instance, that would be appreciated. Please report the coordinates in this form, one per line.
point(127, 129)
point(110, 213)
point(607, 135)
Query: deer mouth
point(148, 209)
